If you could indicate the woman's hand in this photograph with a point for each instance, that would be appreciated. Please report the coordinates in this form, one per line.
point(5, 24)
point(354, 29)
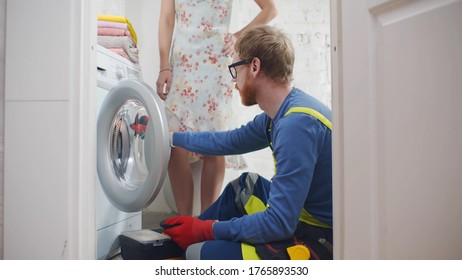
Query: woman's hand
point(228, 48)
point(164, 81)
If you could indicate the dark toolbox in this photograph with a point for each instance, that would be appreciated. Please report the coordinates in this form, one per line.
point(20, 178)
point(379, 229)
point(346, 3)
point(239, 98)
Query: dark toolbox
point(148, 244)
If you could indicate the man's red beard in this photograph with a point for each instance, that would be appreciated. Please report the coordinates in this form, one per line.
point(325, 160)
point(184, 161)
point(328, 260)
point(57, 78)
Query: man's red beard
point(247, 93)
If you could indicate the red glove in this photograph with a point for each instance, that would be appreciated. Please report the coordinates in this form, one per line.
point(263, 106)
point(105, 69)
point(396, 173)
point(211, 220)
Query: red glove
point(186, 230)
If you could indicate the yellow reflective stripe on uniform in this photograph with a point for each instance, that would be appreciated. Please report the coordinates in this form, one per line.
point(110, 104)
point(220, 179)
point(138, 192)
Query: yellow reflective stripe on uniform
point(309, 219)
point(311, 112)
point(249, 252)
point(254, 205)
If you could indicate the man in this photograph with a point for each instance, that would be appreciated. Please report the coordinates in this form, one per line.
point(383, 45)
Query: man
point(291, 216)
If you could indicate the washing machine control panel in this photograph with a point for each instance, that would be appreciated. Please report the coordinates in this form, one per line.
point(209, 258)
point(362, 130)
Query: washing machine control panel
point(112, 68)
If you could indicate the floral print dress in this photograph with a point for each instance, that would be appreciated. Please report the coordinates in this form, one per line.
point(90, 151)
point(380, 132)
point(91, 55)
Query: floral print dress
point(201, 94)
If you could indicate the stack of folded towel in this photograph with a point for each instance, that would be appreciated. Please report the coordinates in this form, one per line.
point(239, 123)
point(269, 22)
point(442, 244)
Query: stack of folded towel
point(116, 33)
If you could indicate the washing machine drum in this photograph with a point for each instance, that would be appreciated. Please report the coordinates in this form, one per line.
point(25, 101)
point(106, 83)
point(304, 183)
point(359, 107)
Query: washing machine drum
point(132, 145)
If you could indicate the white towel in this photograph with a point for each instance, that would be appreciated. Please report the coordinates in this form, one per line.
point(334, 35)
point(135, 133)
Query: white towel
point(120, 42)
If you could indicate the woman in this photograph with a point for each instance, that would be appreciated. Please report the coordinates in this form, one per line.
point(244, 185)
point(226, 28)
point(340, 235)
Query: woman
point(194, 82)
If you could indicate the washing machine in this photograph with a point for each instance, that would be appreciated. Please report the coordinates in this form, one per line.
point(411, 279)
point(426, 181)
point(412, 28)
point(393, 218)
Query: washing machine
point(132, 149)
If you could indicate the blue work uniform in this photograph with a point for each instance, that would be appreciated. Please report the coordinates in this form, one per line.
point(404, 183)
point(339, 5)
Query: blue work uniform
point(253, 210)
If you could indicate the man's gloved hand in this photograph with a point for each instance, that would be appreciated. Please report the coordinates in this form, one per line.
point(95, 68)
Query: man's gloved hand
point(186, 230)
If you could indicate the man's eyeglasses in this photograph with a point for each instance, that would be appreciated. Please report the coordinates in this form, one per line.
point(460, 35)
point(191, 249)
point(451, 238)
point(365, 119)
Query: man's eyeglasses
point(232, 67)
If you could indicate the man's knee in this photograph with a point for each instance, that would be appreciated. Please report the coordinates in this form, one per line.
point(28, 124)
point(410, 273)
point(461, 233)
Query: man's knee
point(193, 252)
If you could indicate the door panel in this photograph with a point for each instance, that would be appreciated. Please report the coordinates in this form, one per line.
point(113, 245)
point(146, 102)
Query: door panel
point(399, 89)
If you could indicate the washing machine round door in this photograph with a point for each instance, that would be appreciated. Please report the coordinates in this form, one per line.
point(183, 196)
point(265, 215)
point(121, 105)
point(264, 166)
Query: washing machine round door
point(132, 145)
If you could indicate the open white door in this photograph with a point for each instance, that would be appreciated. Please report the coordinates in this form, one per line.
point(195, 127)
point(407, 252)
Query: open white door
point(397, 76)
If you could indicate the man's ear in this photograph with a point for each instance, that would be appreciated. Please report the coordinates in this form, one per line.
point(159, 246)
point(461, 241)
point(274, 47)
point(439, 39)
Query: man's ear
point(255, 66)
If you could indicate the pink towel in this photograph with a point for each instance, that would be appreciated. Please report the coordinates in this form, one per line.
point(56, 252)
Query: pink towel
point(105, 31)
point(111, 24)
point(120, 52)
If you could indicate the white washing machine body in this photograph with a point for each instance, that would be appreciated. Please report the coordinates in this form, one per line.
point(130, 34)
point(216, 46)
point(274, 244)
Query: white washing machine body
point(132, 149)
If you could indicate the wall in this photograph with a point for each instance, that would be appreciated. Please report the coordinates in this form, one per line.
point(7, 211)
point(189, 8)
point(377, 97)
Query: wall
point(110, 7)
point(2, 110)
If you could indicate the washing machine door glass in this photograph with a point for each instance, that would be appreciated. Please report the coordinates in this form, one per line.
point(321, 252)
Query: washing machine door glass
point(132, 145)
point(127, 142)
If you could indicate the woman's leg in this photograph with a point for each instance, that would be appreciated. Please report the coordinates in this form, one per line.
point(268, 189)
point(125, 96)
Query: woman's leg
point(213, 174)
point(179, 172)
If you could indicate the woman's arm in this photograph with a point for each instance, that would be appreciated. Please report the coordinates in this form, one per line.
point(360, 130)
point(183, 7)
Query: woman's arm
point(267, 13)
point(166, 26)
